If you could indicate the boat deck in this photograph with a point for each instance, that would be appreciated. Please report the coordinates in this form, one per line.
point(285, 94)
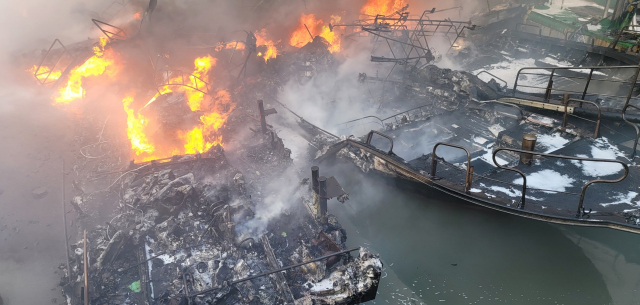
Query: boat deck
point(554, 185)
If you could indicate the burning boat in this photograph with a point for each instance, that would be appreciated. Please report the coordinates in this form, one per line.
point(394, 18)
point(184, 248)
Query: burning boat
point(165, 214)
point(186, 194)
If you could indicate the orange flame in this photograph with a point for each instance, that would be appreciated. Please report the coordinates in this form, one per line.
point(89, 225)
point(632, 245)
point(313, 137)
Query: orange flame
point(135, 129)
point(203, 67)
point(94, 66)
point(262, 40)
point(200, 138)
point(382, 7)
point(197, 140)
point(194, 140)
point(199, 79)
point(43, 72)
point(300, 37)
point(137, 16)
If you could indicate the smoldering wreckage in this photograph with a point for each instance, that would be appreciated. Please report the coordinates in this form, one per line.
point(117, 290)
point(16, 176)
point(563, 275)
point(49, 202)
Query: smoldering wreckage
point(190, 222)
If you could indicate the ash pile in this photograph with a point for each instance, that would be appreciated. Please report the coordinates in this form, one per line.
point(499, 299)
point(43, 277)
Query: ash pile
point(189, 231)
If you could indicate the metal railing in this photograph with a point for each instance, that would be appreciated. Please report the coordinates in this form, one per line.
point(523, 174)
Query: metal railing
point(416, 47)
point(549, 88)
point(492, 75)
point(566, 114)
point(434, 164)
point(624, 112)
point(580, 211)
point(370, 137)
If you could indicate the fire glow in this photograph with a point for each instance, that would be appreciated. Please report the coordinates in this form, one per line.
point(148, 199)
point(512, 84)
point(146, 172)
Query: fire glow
point(102, 61)
point(196, 140)
point(199, 79)
point(135, 129)
point(382, 7)
point(211, 107)
point(45, 73)
point(311, 27)
point(262, 40)
point(230, 45)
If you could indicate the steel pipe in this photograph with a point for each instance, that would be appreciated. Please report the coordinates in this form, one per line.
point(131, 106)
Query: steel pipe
point(370, 136)
point(469, 172)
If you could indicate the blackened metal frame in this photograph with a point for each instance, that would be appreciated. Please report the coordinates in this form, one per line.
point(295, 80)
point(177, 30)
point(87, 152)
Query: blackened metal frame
point(493, 75)
point(118, 34)
point(37, 72)
point(416, 47)
point(370, 137)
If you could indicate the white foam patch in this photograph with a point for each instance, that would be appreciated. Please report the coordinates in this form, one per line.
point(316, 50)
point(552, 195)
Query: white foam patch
point(511, 192)
point(508, 69)
point(623, 198)
point(553, 142)
point(488, 157)
point(496, 129)
point(601, 149)
point(480, 140)
point(548, 180)
point(542, 120)
point(555, 62)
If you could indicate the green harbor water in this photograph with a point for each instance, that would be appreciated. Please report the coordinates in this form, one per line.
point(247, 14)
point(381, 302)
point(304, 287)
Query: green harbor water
point(439, 250)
